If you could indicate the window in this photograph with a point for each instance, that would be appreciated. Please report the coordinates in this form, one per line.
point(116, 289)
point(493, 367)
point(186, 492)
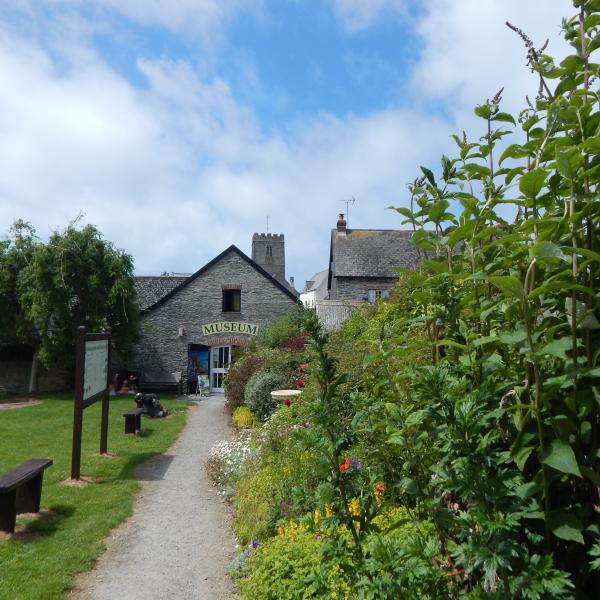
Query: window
point(232, 300)
point(270, 251)
point(374, 294)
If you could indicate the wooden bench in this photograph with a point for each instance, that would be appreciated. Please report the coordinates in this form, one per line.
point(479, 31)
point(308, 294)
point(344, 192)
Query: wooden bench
point(133, 420)
point(21, 491)
point(160, 382)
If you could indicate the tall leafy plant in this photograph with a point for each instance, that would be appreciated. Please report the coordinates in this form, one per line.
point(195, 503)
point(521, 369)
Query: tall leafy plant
point(520, 257)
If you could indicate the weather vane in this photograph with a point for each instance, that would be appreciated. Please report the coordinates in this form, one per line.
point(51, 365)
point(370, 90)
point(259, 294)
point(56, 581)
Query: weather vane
point(348, 202)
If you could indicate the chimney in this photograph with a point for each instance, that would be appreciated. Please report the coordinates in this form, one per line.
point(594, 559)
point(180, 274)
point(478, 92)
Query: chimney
point(291, 283)
point(341, 224)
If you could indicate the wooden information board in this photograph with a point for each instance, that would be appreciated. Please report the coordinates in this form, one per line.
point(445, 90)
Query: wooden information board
point(91, 385)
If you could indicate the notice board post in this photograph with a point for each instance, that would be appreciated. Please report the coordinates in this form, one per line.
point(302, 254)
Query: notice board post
point(91, 384)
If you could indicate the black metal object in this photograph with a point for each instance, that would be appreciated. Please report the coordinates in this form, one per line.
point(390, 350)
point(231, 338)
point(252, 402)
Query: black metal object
point(21, 491)
point(150, 405)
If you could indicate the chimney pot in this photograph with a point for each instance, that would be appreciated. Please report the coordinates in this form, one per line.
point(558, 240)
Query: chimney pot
point(341, 224)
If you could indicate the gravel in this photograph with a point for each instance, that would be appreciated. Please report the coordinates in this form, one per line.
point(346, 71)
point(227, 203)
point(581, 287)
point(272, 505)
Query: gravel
point(178, 543)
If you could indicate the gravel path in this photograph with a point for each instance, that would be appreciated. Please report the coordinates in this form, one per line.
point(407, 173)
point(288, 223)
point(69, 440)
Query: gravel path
point(177, 544)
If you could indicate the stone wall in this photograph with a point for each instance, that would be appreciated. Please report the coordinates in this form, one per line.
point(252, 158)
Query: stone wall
point(160, 348)
point(14, 377)
point(357, 288)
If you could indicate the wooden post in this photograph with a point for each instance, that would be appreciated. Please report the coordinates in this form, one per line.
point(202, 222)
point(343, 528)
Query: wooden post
point(105, 400)
point(78, 407)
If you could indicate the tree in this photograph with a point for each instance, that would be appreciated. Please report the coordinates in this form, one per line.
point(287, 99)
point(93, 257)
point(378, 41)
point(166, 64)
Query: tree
point(76, 278)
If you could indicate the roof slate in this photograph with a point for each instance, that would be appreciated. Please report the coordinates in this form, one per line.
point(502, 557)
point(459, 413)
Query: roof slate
point(371, 252)
point(150, 289)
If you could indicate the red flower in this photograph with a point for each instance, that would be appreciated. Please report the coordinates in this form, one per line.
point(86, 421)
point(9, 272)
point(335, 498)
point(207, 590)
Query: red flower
point(380, 487)
point(304, 366)
point(344, 466)
point(287, 402)
point(300, 383)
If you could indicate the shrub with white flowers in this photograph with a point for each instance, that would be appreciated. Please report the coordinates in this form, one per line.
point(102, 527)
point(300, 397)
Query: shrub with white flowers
point(226, 460)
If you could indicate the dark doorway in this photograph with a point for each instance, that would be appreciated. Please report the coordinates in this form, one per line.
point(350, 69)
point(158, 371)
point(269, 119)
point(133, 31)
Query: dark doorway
point(198, 359)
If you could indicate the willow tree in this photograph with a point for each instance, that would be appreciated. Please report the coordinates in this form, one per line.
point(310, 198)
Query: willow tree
point(76, 278)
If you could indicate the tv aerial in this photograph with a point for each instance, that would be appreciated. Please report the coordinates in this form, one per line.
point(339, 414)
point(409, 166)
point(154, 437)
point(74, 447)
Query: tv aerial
point(348, 202)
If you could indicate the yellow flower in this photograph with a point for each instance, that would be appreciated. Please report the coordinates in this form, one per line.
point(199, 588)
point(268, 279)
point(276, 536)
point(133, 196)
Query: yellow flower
point(281, 530)
point(328, 511)
point(317, 517)
point(354, 507)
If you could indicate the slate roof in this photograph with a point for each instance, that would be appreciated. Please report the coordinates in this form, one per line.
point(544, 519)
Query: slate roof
point(371, 252)
point(160, 285)
point(150, 289)
point(317, 281)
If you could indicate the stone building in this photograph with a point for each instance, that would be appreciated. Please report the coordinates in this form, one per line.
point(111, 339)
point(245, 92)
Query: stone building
point(191, 324)
point(363, 262)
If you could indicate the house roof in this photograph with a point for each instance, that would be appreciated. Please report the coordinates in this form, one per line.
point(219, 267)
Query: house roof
point(371, 252)
point(317, 281)
point(150, 289)
point(187, 280)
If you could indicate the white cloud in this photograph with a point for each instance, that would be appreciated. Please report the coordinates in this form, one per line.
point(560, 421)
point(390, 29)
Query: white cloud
point(359, 14)
point(206, 18)
point(469, 53)
point(177, 171)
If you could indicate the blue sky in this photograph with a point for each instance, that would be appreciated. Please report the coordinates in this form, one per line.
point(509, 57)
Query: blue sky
point(177, 127)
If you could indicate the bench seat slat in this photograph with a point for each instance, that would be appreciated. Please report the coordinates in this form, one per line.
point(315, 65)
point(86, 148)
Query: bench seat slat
point(23, 473)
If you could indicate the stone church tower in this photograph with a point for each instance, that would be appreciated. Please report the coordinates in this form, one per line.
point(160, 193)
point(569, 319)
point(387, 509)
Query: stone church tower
point(268, 251)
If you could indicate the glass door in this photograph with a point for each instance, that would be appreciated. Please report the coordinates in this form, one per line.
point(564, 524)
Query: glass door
point(220, 361)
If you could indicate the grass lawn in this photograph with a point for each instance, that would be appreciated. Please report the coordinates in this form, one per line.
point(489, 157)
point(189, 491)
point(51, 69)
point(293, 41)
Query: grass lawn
point(41, 561)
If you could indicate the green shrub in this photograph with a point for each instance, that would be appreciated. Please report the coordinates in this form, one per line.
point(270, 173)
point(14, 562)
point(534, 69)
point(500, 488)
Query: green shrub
point(284, 567)
point(237, 378)
point(256, 504)
point(258, 392)
point(281, 329)
point(243, 418)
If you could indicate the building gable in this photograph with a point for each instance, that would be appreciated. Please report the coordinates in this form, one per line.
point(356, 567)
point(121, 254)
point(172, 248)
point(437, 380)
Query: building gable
point(210, 265)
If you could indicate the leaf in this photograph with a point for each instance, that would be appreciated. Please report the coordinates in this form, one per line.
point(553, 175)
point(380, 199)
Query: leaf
point(505, 117)
point(484, 111)
point(514, 338)
point(567, 162)
point(405, 212)
point(556, 348)
point(532, 182)
point(429, 174)
point(513, 151)
point(560, 456)
point(452, 344)
point(393, 410)
point(547, 250)
point(590, 474)
point(509, 285)
point(528, 489)
point(566, 526)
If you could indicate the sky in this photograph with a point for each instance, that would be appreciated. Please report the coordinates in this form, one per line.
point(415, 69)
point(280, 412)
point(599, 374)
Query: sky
point(178, 128)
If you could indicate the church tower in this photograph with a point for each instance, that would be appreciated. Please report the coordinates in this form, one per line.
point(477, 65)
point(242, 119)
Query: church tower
point(268, 251)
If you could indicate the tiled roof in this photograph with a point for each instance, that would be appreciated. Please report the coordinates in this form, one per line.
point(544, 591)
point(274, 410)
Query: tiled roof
point(150, 289)
point(371, 252)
